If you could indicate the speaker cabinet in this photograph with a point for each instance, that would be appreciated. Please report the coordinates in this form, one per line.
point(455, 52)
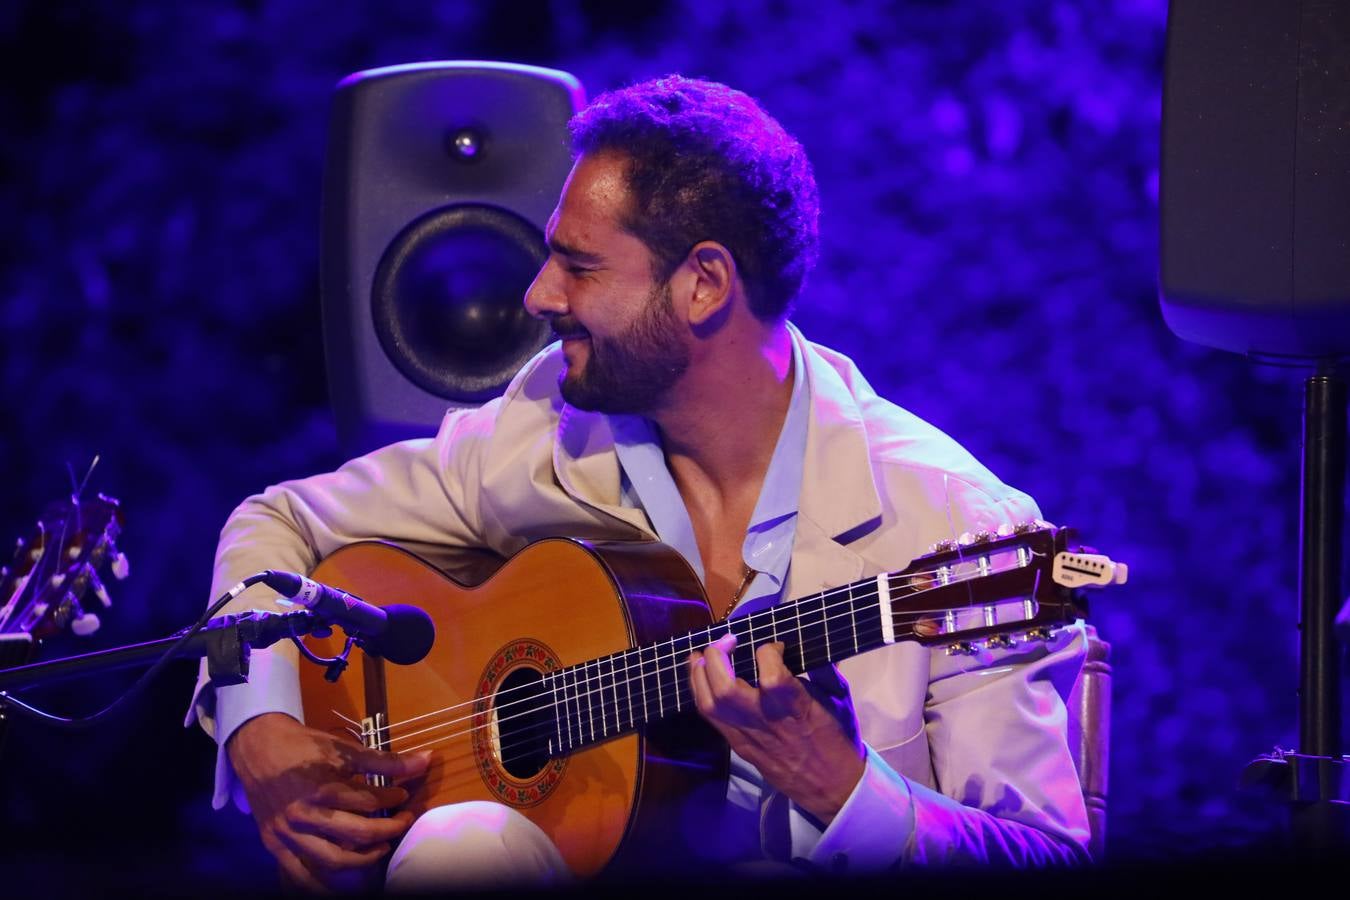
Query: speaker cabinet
point(1255, 224)
point(439, 180)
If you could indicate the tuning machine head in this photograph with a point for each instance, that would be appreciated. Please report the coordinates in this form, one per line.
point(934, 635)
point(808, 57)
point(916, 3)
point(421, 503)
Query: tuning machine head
point(121, 566)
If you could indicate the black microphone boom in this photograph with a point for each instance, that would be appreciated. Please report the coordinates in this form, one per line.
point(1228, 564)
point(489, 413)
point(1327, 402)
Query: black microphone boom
point(400, 633)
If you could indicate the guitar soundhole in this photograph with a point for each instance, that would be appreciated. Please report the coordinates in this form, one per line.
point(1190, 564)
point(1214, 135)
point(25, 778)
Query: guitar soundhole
point(514, 723)
point(524, 724)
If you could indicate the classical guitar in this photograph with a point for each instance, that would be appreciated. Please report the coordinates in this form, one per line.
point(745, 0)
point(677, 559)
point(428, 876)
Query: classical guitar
point(558, 685)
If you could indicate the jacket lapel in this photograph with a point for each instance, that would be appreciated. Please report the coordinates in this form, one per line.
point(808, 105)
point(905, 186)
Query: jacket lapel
point(839, 500)
point(587, 468)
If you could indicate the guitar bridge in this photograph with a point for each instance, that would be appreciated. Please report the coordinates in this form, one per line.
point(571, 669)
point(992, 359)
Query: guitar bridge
point(375, 736)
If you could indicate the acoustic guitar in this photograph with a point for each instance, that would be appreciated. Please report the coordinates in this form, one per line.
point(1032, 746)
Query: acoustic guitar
point(558, 685)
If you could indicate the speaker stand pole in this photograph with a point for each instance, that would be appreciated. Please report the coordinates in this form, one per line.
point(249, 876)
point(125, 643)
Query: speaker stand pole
point(1318, 822)
point(1311, 778)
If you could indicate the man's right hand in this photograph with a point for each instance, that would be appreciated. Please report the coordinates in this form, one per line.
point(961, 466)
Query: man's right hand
point(312, 804)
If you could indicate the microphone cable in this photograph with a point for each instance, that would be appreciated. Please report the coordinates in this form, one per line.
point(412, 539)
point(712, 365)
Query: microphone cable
point(9, 702)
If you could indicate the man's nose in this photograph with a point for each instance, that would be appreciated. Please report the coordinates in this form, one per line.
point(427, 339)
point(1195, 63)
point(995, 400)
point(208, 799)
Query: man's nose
point(545, 296)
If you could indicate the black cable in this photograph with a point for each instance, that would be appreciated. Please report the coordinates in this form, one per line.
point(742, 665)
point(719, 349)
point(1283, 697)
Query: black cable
point(10, 702)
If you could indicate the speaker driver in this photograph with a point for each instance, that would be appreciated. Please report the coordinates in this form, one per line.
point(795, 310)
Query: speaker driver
point(448, 300)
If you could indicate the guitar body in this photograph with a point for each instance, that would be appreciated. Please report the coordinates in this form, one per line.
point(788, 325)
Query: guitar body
point(559, 602)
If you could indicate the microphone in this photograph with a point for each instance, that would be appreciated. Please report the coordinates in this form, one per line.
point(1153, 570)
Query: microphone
point(400, 633)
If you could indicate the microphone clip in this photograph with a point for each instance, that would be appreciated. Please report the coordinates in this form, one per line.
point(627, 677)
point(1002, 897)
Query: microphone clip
point(333, 666)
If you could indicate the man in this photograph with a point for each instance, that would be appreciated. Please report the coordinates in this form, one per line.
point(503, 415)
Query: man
point(681, 406)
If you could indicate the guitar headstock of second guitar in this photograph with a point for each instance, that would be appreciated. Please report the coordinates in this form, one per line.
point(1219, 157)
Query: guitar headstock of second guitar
point(43, 588)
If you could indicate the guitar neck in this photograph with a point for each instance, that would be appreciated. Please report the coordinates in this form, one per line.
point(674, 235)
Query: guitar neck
point(958, 594)
point(603, 698)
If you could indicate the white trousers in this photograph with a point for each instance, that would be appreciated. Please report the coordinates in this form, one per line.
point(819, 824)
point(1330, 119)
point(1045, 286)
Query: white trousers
point(482, 844)
point(474, 845)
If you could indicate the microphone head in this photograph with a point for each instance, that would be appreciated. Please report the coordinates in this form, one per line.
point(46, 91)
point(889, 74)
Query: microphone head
point(407, 637)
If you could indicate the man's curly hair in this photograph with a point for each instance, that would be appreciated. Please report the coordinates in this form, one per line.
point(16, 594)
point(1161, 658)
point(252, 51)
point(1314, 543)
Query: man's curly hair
point(707, 163)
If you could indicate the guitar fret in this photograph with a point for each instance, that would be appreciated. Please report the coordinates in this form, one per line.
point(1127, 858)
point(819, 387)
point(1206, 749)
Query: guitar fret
point(590, 697)
point(614, 689)
point(853, 618)
point(772, 613)
point(575, 739)
point(557, 723)
point(660, 682)
point(675, 667)
point(825, 624)
point(600, 695)
point(579, 695)
point(628, 688)
point(642, 674)
point(566, 739)
point(801, 644)
point(750, 648)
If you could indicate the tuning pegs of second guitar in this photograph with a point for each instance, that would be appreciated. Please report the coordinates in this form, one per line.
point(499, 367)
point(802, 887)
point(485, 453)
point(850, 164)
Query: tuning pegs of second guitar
point(121, 566)
point(83, 623)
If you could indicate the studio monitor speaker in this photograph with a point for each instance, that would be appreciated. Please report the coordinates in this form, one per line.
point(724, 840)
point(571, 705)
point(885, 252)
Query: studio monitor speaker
point(1255, 225)
point(439, 180)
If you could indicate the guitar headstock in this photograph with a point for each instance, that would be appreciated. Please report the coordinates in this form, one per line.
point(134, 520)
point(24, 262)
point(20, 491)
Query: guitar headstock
point(43, 588)
point(991, 587)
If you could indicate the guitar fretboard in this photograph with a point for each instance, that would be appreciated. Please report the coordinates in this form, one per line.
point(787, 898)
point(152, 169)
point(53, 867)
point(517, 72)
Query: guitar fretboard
point(950, 596)
point(614, 694)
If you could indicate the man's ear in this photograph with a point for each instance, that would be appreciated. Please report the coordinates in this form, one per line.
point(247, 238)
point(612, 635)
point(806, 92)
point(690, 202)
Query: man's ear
point(714, 281)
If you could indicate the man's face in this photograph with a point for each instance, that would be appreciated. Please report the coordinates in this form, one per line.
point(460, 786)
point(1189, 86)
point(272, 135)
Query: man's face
point(623, 340)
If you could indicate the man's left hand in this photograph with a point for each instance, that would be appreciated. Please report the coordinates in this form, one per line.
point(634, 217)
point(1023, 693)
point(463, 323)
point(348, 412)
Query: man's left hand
point(803, 748)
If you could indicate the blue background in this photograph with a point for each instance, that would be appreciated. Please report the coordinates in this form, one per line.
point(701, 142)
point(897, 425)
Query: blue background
point(989, 187)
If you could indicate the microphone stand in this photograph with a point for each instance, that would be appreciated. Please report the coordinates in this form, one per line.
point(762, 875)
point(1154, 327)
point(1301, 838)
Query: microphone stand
point(225, 642)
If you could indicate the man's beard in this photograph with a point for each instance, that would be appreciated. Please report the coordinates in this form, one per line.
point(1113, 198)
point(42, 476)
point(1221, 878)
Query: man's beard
point(632, 372)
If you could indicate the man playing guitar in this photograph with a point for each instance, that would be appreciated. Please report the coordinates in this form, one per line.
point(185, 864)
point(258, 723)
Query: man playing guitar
point(681, 406)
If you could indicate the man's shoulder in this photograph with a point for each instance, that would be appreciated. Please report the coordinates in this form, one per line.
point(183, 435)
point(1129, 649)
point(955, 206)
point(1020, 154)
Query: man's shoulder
point(908, 454)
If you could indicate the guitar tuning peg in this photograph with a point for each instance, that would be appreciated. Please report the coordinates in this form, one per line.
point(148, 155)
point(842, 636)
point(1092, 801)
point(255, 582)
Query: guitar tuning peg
point(84, 623)
point(121, 566)
point(101, 592)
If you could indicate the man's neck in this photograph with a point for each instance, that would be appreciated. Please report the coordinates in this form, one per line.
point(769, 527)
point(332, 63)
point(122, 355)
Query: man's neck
point(719, 433)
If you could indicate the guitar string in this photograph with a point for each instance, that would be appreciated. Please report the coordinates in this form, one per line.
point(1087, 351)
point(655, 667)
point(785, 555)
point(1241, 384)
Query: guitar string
point(619, 679)
point(34, 577)
point(465, 763)
point(750, 619)
point(764, 616)
point(540, 733)
point(468, 763)
point(473, 765)
point(623, 677)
